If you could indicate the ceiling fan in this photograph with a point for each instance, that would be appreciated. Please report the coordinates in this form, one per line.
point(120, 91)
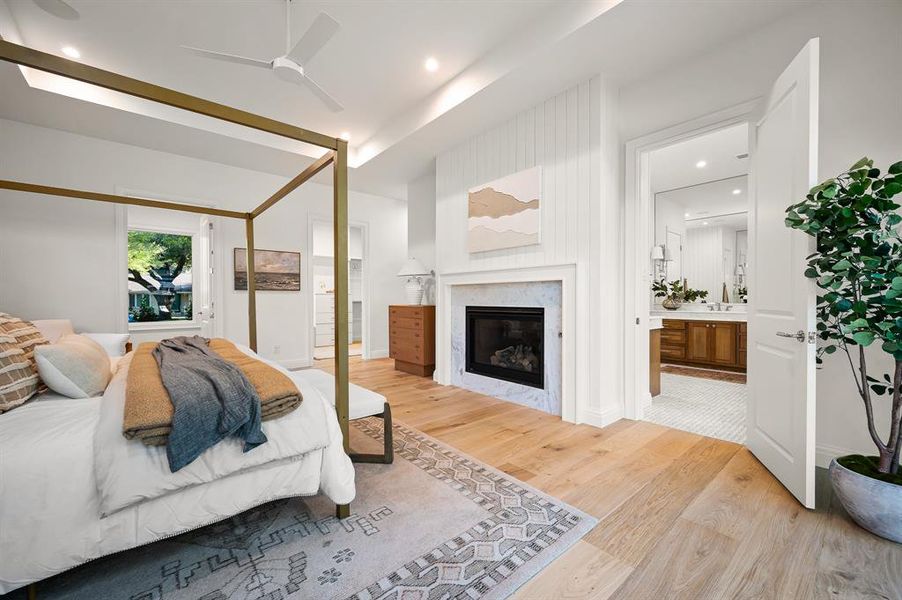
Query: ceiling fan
point(290, 66)
point(58, 8)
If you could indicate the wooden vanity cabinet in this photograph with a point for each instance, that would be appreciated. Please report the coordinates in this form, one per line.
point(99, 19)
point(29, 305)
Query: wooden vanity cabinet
point(716, 344)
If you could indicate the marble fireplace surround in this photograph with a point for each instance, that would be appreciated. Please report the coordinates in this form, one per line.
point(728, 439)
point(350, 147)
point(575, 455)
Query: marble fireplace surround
point(452, 298)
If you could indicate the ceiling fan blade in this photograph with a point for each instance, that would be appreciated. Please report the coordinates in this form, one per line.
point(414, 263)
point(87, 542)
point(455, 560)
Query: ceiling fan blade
point(320, 32)
point(333, 104)
point(241, 60)
point(58, 8)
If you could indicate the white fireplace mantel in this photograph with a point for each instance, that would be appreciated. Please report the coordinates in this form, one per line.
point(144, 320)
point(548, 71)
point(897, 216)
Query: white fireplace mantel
point(564, 273)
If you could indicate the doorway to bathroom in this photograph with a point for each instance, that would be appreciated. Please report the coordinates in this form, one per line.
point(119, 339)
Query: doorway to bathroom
point(698, 262)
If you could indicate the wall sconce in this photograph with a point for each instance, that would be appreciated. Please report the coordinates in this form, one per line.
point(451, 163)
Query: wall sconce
point(659, 260)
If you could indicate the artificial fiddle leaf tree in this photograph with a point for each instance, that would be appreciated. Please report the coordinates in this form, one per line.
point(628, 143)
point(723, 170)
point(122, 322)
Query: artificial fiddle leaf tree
point(858, 268)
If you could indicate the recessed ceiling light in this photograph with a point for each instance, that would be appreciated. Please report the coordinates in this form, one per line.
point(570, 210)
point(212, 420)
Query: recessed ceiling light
point(701, 164)
point(431, 64)
point(737, 191)
point(686, 215)
point(704, 222)
point(71, 52)
point(346, 136)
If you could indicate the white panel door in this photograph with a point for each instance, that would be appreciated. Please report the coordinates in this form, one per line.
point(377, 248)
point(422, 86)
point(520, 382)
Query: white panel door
point(204, 279)
point(781, 349)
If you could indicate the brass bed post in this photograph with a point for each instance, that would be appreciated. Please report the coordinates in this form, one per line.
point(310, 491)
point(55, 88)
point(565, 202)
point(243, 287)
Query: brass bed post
point(340, 273)
point(251, 285)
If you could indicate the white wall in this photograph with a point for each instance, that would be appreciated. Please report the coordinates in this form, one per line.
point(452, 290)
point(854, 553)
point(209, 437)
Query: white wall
point(572, 136)
point(421, 228)
point(323, 244)
point(860, 114)
point(421, 220)
point(58, 257)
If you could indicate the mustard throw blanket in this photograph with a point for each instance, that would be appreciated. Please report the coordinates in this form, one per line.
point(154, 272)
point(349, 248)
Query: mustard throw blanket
point(148, 408)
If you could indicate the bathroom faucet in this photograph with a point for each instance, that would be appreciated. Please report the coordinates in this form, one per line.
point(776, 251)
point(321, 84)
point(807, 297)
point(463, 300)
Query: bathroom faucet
point(714, 306)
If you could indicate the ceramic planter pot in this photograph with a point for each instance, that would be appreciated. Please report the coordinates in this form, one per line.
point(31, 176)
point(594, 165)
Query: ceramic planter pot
point(875, 505)
point(671, 303)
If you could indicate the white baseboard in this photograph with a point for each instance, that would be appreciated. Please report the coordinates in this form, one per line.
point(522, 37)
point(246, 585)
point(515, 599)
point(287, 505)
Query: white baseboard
point(601, 418)
point(824, 454)
point(296, 363)
point(378, 354)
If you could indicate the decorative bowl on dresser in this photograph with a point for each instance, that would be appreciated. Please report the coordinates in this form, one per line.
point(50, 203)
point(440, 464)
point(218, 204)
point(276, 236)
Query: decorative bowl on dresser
point(411, 333)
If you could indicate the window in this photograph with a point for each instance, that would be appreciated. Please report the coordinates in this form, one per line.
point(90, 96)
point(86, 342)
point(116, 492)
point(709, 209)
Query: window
point(159, 277)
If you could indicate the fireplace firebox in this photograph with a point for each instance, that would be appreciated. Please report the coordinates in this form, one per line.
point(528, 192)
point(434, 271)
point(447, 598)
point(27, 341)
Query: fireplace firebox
point(506, 343)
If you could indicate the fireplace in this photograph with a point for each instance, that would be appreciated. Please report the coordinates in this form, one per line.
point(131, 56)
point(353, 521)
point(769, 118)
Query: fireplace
point(506, 343)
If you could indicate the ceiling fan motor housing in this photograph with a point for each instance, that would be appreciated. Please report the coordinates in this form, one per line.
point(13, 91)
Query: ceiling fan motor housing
point(287, 70)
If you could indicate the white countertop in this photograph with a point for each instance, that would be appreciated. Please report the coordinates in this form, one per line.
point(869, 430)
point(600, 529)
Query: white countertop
point(697, 315)
point(655, 323)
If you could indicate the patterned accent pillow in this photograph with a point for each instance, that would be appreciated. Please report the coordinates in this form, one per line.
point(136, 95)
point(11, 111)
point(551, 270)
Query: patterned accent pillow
point(18, 379)
point(26, 334)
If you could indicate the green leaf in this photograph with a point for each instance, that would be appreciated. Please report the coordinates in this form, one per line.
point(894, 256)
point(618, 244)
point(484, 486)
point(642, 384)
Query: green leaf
point(862, 162)
point(865, 338)
point(895, 168)
point(897, 283)
point(842, 265)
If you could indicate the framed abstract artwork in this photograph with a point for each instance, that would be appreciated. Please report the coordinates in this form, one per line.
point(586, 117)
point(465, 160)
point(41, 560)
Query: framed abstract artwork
point(505, 213)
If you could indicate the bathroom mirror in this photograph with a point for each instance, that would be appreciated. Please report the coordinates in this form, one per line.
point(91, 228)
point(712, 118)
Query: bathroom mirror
point(701, 236)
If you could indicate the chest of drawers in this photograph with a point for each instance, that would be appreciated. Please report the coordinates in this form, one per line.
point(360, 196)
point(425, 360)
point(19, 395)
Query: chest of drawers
point(411, 332)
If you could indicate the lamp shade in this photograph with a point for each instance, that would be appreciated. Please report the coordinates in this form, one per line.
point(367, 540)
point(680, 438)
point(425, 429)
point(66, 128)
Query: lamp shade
point(657, 253)
point(413, 268)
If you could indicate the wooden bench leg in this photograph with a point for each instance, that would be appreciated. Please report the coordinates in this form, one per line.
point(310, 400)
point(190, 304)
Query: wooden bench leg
point(388, 450)
point(342, 511)
point(32, 591)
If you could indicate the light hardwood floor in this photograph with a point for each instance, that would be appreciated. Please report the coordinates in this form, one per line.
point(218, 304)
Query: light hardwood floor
point(680, 515)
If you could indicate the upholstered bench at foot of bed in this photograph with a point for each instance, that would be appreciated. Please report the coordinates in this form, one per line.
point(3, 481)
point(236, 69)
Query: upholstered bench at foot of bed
point(362, 403)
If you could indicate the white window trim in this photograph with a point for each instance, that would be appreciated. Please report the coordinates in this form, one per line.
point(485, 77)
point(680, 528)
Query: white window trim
point(165, 325)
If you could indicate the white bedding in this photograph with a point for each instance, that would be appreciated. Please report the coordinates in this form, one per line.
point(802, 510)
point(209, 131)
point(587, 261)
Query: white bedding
point(50, 506)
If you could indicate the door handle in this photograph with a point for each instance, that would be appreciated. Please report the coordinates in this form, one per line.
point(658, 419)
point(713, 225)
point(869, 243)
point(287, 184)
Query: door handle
point(800, 336)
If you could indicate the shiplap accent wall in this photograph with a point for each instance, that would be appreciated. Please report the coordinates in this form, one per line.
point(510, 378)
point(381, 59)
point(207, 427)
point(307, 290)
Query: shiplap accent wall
point(573, 136)
point(710, 260)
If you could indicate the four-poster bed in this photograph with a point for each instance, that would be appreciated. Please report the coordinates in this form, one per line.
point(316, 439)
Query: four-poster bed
point(335, 155)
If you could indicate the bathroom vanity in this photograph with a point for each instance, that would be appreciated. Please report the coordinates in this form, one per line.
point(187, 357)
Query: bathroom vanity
point(714, 340)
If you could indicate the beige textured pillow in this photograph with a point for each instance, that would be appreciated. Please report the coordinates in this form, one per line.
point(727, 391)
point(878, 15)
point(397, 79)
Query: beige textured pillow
point(18, 378)
point(75, 366)
point(27, 335)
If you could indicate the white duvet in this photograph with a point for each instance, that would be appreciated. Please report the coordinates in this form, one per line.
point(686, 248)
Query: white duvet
point(64, 464)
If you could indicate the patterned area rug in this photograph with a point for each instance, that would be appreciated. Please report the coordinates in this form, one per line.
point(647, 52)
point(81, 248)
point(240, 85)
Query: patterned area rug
point(435, 524)
point(704, 406)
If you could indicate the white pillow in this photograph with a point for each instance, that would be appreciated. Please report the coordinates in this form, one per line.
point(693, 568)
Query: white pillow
point(53, 329)
point(113, 343)
point(75, 366)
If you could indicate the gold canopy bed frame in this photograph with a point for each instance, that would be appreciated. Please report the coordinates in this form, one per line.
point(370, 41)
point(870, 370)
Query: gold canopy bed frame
point(336, 154)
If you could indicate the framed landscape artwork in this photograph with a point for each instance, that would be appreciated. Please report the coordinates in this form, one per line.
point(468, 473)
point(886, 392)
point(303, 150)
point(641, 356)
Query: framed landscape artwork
point(505, 213)
point(273, 270)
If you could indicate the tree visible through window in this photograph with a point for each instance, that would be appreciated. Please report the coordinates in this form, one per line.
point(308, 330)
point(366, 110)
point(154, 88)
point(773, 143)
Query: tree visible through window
point(159, 276)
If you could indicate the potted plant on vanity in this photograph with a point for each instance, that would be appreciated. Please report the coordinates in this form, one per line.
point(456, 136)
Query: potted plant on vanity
point(675, 293)
point(858, 267)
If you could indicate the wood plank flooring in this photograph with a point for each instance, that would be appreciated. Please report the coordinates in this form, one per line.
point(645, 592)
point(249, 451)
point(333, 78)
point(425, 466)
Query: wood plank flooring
point(680, 515)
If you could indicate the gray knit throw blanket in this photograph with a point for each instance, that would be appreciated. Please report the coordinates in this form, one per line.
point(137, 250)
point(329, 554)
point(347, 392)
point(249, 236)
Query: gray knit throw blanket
point(211, 400)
